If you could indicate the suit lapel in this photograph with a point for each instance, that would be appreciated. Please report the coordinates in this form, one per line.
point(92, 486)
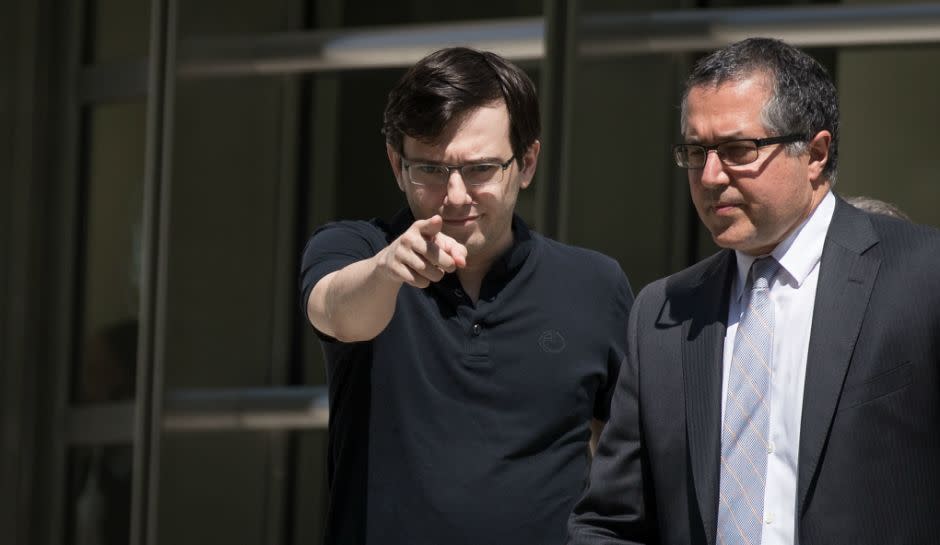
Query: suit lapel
point(846, 278)
point(703, 330)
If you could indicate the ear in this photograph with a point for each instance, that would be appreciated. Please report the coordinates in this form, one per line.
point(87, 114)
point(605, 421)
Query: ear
point(394, 159)
point(818, 155)
point(529, 162)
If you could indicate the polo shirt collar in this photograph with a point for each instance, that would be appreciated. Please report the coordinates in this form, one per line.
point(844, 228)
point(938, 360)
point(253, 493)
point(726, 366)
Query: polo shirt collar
point(506, 265)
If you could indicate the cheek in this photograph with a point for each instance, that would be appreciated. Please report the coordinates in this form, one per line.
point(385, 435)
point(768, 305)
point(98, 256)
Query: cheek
point(696, 192)
point(490, 198)
point(422, 203)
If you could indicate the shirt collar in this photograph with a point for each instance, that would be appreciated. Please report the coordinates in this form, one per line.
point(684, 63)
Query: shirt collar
point(799, 253)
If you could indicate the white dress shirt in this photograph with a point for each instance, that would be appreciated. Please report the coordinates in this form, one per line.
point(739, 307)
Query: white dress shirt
point(792, 293)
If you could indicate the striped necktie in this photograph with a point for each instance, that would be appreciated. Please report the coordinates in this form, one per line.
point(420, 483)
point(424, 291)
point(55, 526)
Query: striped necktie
point(744, 441)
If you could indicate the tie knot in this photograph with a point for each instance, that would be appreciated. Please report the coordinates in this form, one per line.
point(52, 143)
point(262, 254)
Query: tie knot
point(763, 271)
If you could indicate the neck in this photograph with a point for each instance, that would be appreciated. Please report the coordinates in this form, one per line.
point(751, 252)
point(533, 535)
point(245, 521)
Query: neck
point(471, 276)
point(471, 280)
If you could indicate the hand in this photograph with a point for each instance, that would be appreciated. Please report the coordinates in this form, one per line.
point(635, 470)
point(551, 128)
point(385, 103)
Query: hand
point(422, 254)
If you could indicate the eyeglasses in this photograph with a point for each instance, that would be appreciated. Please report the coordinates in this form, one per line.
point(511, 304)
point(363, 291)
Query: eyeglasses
point(733, 153)
point(473, 174)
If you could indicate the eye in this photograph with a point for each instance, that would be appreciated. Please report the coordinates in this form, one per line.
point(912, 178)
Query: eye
point(738, 151)
point(694, 153)
point(427, 169)
point(481, 169)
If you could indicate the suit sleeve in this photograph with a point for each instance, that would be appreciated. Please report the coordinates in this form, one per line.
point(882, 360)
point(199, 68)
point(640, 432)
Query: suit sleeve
point(613, 510)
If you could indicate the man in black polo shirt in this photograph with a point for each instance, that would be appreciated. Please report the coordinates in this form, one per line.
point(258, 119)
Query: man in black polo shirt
point(469, 358)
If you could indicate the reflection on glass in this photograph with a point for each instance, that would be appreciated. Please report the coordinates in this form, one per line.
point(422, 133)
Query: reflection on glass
point(110, 356)
point(99, 508)
point(112, 244)
point(119, 30)
point(229, 161)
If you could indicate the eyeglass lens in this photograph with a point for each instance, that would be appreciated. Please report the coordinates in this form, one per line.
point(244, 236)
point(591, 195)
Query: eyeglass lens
point(730, 153)
point(476, 174)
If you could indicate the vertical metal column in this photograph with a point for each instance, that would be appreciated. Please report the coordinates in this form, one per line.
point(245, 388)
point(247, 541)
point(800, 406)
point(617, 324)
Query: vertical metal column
point(561, 19)
point(62, 345)
point(21, 161)
point(277, 521)
point(161, 86)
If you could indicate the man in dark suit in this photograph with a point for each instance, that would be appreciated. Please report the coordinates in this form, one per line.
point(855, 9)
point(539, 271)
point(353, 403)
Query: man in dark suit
point(796, 401)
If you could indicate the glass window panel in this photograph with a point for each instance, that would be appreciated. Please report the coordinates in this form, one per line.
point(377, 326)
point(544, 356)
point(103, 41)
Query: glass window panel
point(888, 141)
point(119, 30)
point(223, 259)
point(311, 495)
point(381, 12)
point(99, 495)
point(214, 488)
point(626, 198)
point(233, 17)
point(623, 188)
point(112, 253)
point(365, 186)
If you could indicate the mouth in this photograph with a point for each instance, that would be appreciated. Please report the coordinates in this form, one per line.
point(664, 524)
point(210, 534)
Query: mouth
point(461, 221)
point(724, 208)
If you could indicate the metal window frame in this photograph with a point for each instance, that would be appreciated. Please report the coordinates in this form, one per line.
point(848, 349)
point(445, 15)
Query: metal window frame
point(554, 41)
point(154, 266)
point(523, 40)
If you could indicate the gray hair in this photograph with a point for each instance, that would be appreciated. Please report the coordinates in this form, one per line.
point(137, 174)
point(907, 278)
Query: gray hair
point(803, 99)
point(875, 206)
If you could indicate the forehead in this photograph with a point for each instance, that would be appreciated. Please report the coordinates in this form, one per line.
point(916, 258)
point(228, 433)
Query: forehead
point(479, 133)
point(732, 108)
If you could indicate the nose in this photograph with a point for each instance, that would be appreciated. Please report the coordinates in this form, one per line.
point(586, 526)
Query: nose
point(457, 193)
point(713, 173)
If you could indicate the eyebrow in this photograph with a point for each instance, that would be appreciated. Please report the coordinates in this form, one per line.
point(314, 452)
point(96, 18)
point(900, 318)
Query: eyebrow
point(730, 137)
point(476, 161)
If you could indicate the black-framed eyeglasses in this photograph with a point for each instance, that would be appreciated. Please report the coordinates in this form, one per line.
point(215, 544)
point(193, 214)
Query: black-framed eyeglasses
point(473, 174)
point(734, 153)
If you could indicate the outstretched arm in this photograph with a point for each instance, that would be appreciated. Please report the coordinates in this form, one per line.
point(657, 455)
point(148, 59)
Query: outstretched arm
point(356, 302)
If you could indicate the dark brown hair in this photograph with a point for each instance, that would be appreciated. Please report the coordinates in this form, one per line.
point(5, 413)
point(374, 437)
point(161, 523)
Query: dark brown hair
point(451, 82)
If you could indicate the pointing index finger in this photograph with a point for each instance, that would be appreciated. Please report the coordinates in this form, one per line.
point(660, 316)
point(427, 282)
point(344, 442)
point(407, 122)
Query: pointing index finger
point(456, 250)
point(430, 227)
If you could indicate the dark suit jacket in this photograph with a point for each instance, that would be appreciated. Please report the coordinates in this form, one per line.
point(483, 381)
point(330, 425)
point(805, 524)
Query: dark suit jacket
point(869, 453)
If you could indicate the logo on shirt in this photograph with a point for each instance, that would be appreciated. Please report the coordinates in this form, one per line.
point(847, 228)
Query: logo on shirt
point(551, 341)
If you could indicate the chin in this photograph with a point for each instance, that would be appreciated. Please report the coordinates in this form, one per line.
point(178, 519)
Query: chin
point(728, 240)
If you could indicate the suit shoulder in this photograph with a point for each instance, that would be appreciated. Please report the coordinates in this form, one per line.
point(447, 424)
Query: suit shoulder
point(902, 240)
point(693, 276)
point(683, 282)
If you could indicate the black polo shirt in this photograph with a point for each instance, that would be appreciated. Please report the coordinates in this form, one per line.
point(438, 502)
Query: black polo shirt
point(467, 423)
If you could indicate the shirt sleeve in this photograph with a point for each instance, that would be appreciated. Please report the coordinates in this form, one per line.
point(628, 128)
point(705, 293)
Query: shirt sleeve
point(621, 302)
point(333, 247)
